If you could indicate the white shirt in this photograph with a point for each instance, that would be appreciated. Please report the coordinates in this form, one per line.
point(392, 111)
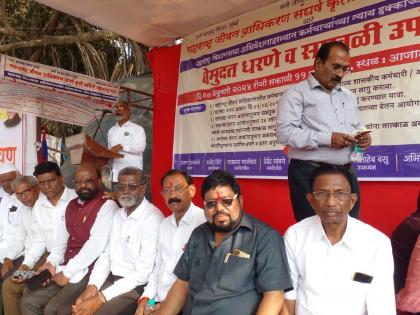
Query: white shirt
point(133, 139)
point(131, 250)
point(48, 219)
point(9, 216)
point(171, 244)
point(23, 236)
point(322, 274)
point(78, 266)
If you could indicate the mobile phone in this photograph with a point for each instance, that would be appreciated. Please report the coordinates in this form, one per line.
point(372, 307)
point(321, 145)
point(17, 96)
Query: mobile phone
point(38, 281)
point(361, 134)
point(362, 277)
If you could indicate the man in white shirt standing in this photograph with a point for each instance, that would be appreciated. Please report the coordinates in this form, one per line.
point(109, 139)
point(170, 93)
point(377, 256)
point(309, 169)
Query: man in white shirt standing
point(338, 264)
point(120, 273)
point(174, 233)
point(126, 138)
point(81, 238)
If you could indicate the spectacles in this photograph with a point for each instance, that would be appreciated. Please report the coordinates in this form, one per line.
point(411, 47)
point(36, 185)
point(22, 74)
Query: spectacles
point(176, 189)
point(226, 202)
point(23, 193)
point(338, 195)
point(87, 182)
point(130, 187)
point(337, 67)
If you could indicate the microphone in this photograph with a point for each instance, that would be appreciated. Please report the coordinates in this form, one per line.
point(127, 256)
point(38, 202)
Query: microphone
point(104, 111)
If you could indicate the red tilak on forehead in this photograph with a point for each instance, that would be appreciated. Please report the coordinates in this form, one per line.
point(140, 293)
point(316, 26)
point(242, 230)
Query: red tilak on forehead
point(218, 196)
point(171, 184)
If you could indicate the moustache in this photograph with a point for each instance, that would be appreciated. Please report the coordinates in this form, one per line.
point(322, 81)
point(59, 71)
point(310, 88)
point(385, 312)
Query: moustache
point(172, 200)
point(221, 212)
point(336, 78)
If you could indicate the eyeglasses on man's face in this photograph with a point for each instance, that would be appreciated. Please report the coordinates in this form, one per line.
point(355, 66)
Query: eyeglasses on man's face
point(225, 202)
point(178, 189)
point(130, 187)
point(339, 68)
point(24, 193)
point(338, 195)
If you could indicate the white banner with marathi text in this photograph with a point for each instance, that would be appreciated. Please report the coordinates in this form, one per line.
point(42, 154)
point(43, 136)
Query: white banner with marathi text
point(52, 93)
point(233, 74)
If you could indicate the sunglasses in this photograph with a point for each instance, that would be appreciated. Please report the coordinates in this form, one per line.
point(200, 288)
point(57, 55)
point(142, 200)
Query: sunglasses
point(225, 202)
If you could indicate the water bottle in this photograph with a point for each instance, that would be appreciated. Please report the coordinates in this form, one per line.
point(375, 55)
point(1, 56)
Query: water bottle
point(150, 307)
point(357, 154)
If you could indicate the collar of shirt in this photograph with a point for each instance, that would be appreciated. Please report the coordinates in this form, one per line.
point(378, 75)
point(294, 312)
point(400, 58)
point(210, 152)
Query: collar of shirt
point(187, 218)
point(313, 83)
point(124, 125)
point(137, 214)
point(349, 238)
point(65, 197)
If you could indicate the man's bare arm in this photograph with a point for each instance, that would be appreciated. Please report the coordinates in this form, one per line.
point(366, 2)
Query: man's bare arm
point(271, 303)
point(290, 305)
point(176, 299)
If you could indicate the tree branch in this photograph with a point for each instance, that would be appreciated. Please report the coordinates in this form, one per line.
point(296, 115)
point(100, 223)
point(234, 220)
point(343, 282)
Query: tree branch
point(64, 40)
point(49, 29)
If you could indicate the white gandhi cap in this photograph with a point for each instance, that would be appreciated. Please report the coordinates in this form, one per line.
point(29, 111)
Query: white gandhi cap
point(7, 168)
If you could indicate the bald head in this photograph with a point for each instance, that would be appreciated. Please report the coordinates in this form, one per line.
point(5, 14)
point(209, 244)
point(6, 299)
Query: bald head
point(86, 181)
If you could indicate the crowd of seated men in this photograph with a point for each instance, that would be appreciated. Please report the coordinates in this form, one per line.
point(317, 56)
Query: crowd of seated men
point(85, 251)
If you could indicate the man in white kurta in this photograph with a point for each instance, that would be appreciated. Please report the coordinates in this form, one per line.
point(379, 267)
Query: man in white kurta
point(174, 233)
point(120, 273)
point(126, 138)
point(338, 265)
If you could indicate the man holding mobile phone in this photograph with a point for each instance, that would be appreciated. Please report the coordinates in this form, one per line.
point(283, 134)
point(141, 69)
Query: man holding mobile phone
point(317, 120)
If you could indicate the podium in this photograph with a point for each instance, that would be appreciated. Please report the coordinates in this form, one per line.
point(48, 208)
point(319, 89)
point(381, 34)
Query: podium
point(83, 149)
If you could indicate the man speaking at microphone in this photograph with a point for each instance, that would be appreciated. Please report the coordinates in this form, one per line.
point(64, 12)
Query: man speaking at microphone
point(125, 138)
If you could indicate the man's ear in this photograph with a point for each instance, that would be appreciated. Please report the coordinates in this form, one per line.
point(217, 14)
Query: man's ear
point(241, 201)
point(192, 190)
point(310, 199)
point(317, 63)
point(353, 200)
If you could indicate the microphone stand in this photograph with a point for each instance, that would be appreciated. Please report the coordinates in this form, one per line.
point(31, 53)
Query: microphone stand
point(99, 125)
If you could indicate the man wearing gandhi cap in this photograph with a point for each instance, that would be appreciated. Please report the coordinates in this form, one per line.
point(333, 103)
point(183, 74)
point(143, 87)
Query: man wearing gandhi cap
point(8, 207)
point(8, 173)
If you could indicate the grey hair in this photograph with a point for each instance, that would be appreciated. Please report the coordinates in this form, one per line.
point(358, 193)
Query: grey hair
point(131, 170)
point(24, 179)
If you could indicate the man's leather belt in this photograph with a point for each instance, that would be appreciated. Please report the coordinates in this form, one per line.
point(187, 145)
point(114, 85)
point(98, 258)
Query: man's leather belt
point(319, 164)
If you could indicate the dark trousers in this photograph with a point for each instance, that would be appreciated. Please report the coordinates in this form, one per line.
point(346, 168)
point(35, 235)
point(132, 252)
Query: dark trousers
point(53, 299)
point(16, 264)
point(298, 175)
point(120, 305)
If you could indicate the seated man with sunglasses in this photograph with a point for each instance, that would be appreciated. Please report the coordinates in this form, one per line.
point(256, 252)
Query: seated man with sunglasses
point(120, 273)
point(233, 264)
point(339, 265)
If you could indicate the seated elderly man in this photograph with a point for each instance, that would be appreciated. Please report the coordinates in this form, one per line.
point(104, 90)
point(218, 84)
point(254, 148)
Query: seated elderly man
point(27, 192)
point(122, 270)
point(177, 190)
point(338, 264)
